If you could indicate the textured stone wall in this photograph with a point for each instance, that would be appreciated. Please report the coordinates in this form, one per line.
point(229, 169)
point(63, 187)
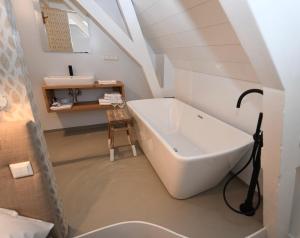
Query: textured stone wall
point(12, 79)
point(16, 87)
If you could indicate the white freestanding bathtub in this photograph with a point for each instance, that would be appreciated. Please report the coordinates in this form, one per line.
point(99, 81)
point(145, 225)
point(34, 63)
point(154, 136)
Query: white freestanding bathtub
point(189, 150)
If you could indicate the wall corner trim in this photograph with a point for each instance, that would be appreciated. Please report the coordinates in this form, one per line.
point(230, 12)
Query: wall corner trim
point(262, 233)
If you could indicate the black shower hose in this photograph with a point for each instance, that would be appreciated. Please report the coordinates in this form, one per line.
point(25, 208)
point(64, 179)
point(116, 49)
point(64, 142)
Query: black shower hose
point(256, 153)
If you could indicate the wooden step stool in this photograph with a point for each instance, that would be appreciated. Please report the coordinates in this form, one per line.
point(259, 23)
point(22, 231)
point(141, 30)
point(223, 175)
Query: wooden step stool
point(118, 120)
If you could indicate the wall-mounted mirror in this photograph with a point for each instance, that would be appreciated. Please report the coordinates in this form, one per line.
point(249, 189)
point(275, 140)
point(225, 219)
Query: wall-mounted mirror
point(63, 27)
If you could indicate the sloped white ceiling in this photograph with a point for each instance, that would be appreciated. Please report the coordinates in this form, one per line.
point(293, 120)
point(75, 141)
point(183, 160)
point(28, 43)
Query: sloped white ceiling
point(196, 35)
point(112, 9)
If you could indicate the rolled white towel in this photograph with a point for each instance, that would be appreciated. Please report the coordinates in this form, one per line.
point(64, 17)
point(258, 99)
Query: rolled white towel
point(61, 107)
point(104, 102)
point(112, 96)
point(107, 81)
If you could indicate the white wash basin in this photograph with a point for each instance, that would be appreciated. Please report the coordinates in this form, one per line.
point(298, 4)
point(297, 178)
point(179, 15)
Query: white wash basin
point(69, 80)
point(190, 150)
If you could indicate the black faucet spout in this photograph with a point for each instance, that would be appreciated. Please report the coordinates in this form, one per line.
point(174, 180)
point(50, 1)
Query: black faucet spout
point(254, 90)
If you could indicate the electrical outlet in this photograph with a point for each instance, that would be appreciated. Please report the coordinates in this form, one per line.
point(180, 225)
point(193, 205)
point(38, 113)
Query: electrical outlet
point(21, 170)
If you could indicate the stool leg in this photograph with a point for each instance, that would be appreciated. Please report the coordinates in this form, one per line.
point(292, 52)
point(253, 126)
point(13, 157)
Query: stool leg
point(112, 155)
point(134, 150)
point(109, 136)
point(111, 147)
point(129, 139)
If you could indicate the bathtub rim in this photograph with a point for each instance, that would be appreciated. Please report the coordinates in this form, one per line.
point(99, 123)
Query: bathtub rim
point(177, 155)
point(132, 222)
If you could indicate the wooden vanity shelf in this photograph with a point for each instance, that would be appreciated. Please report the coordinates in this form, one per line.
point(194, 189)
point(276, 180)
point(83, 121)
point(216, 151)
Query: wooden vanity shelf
point(49, 93)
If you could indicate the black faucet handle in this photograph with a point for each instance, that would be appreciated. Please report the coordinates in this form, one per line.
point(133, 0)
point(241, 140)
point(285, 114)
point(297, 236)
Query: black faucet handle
point(71, 73)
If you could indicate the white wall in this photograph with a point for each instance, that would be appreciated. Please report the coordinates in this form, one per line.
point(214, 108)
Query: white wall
point(41, 64)
point(195, 35)
point(273, 104)
point(218, 97)
point(295, 231)
point(245, 26)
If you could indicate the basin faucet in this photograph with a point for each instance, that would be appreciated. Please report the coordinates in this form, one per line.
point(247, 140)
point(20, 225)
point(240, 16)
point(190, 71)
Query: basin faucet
point(74, 93)
point(254, 90)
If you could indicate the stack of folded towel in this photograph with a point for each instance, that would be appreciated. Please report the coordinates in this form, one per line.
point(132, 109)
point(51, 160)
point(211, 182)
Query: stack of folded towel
point(110, 98)
point(56, 106)
point(103, 101)
point(107, 81)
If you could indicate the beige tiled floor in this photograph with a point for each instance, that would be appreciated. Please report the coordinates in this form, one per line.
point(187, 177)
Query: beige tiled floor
point(97, 192)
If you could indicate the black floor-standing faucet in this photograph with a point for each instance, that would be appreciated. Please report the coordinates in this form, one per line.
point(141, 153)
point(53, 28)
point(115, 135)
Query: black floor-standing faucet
point(247, 207)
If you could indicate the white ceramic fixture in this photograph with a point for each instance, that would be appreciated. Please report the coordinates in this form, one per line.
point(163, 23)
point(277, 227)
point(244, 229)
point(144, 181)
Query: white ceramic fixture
point(69, 80)
point(190, 150)
point(132, 229)
point(20, 170)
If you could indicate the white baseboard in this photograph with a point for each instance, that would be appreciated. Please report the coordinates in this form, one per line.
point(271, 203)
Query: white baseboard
point(262, 233)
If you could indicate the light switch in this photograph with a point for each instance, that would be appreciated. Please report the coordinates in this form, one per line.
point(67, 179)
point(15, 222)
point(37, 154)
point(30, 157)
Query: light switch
point(21, 170)
point(111, 58)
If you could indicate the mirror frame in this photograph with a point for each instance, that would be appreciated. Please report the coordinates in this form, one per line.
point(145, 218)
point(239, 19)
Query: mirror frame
point(43, 33)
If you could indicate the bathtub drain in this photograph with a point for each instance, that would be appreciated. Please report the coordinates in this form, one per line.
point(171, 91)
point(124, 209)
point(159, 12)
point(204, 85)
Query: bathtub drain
point(175, 149)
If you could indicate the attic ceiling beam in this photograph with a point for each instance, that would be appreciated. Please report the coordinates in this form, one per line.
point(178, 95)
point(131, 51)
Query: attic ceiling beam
point(134, 28)
point(109, 26)
point(135, 48)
